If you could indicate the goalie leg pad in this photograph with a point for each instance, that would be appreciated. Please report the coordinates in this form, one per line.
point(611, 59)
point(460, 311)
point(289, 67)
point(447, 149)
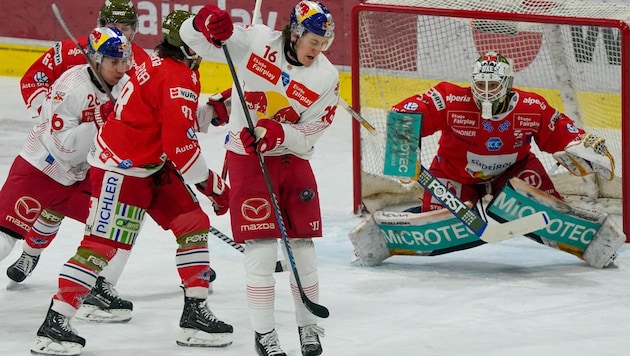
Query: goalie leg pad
point(369, 242)
point(602, 250)
point(405, 233)
point(574, 228)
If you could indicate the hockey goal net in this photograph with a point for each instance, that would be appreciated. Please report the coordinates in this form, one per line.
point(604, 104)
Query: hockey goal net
point(576, 54)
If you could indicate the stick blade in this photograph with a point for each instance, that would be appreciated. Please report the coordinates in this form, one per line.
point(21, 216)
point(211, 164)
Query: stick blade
point(519, 227)
point(318, 310)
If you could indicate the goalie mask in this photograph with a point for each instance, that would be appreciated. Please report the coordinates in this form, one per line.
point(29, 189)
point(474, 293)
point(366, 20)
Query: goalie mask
point(491, 81)
point(108, 42)
point(314, 17)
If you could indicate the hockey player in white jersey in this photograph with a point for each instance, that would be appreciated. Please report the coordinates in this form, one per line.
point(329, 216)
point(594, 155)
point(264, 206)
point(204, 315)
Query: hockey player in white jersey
point(51, 169)
point(291, 90)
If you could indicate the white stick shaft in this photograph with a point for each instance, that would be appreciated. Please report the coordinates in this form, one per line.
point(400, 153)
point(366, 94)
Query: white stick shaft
point(498, 232)
point(256, 14)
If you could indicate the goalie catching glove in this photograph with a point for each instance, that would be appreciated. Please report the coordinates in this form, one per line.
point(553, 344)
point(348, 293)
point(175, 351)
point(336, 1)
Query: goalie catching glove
point(586, 156)
point(217, 191)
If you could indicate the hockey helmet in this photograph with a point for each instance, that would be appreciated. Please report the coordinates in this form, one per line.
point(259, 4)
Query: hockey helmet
point(171, 25)
point(491, 81)
point(108, 42)
point(312, 16)
point(118, 11)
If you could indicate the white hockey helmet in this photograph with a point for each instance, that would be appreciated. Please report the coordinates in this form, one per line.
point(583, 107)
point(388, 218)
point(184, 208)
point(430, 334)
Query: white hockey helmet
point(491, 80)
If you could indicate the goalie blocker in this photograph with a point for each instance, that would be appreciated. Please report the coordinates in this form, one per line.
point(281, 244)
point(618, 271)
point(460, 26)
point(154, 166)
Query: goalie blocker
point(577, 228)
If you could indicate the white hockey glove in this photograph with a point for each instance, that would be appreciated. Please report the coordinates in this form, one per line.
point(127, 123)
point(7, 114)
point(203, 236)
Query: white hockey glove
point(586, 156)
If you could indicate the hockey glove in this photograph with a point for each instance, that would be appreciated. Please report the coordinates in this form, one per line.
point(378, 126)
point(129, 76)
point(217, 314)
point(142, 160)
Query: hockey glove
point(217, 191)
point(102, 112)
point(218, 102)
point(215, 24)
point(268, 134)
point(588, 155)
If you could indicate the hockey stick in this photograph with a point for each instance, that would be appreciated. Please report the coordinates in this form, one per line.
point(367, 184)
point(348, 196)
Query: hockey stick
point(63, 24)
point(216, 232)
point(371, 129)
point(486, 231)
point(316, 309)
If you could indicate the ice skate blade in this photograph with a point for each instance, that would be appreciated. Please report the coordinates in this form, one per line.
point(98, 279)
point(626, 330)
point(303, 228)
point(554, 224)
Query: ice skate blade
point(188, 337)
point(47, 346)
point(94, 314)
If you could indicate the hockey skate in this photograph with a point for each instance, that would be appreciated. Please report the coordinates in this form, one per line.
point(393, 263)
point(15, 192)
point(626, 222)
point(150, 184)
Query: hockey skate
point(57, 337)
point(267, 344)
point(200, 328)
point(22, 268)
point(309, 339)
point(104, 305)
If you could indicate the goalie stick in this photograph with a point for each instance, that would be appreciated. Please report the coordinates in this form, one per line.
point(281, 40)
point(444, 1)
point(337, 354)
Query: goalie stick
point(486, 231)
point(87, 58)
point(316, 309)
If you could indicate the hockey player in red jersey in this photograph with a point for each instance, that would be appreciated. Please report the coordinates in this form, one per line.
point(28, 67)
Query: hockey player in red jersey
point(291, 91)
point(141, 162)
point(487, 130)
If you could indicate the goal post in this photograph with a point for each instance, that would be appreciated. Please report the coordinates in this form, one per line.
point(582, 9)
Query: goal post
point(574, 53)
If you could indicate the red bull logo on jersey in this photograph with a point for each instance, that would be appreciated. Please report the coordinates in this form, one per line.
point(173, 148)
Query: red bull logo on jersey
point(58, 97)
point(257, 101)
point(286, 114)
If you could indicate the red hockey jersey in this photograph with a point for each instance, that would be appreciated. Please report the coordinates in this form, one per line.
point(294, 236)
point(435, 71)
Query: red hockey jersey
point(49, 66)
point(473, 150)
point(155, 120)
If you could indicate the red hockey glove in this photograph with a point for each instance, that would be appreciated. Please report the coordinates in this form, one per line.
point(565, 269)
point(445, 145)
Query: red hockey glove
point(221, 115)
point(268, 134)
point(214, 23)
point(217, 191)
point(102, 112)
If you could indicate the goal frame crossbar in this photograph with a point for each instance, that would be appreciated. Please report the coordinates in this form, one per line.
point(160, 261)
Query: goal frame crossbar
point(624, 33)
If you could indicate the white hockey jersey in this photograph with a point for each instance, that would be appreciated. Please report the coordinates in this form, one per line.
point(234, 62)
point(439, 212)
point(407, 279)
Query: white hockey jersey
point(59, 145)
point(303, 99)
